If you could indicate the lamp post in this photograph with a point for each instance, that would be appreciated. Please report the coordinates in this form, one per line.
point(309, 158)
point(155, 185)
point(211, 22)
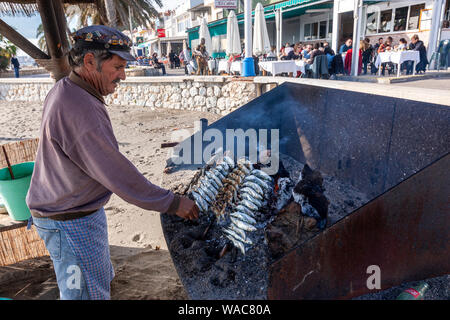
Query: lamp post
point(248, 66)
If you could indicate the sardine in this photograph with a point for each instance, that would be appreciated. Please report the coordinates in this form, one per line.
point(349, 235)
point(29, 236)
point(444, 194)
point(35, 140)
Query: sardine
point(235, 229)
point(214, 178)
point(243, 161)
point(224, 167)
point(245, 210)
point(237, 236)
point(200, 202)
point(202, 193)
point(235, 177)
point(242, 225)
point(255, 179)
point(252, 193)
point(256, 202)
point(237, 243)
point(254, 186)
point(243, 168)
point(208, 185)
point(262, 175)
point(249, 205)
point(218, 174)
point(229, 161)
point(243, 217)
point(211, 194)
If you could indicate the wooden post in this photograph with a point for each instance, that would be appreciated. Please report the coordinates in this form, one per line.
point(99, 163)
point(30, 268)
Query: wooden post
point(59, 66)
point(62, 24)
point(51, 28)
point(21, 42)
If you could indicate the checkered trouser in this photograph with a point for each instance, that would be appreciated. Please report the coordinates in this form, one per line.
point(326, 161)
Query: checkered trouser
point(88, 239)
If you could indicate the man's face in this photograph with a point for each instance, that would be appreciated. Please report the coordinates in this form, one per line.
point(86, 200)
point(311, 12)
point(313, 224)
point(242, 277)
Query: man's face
point(107, 79)
point(349, 43)
point(309, 47)
point(413, 40)
point(380, 41)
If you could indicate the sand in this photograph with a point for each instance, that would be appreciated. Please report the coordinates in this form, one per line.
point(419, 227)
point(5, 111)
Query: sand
point(144, 269)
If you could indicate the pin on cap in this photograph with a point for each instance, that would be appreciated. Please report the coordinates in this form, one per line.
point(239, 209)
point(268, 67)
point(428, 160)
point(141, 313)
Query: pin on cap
point(100, 37)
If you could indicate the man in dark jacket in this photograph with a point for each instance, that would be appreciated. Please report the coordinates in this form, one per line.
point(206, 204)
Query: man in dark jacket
point(16, 65)
point(418, 45)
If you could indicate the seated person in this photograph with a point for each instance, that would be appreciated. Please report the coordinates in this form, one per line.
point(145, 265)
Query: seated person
point(293, 54)
point(157, 64)
point(306, 52)
point(315, 52)
point(346, 46)
point(272, 53)
point(330, 55)
point(403, 44)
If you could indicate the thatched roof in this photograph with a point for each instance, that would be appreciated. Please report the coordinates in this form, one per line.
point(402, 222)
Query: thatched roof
point(28, 7)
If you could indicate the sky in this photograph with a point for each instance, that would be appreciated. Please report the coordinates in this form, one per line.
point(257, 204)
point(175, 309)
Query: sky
point(27, 26)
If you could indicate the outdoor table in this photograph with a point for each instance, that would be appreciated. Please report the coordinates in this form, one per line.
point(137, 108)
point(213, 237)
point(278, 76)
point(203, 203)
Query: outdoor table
point(397, 57)
point(212, 66)
point(300, 66)
point(277, 67)
point(236, 66)
point(224, 66)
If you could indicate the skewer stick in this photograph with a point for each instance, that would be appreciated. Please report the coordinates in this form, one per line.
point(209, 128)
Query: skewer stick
point(224, 250)
point(8, 163)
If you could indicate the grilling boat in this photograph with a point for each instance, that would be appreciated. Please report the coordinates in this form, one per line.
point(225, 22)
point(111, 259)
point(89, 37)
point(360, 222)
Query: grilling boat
point(361, 181)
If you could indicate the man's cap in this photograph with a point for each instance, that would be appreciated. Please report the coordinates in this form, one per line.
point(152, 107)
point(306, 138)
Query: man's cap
point(98, 37)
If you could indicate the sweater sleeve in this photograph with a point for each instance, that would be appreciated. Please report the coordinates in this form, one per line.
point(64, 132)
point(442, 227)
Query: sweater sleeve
point(97, 154)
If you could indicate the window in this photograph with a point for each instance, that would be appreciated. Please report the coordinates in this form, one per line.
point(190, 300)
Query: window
point(307, 33)
point(414, 16)
point(371, 24)
point(322, 30)
point(401, 15)
point(385, 21)
point(330, 29)
point(314, 30)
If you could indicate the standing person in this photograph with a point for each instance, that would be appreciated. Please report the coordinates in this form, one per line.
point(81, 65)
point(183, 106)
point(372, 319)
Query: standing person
point(78, 167)
point(367, 54)
point(16, 65)
point(201, 56)
point(172, 59)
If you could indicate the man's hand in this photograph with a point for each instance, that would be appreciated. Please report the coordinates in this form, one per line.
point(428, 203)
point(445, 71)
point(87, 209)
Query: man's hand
point(187, 209)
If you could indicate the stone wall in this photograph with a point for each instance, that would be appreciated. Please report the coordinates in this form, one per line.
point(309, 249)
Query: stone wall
point(219, 95)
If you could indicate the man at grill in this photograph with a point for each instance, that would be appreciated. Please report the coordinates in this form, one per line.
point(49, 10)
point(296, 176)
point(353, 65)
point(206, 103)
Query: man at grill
point(78, 167)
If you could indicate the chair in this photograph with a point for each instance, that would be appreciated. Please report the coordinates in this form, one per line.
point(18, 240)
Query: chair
point(440, 56)
point(319, 68)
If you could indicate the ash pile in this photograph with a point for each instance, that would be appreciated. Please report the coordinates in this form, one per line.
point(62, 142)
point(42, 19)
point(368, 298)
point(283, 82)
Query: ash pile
point(248, 219)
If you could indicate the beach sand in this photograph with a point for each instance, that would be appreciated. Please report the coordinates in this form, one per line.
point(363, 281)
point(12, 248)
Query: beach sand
point(144, 269)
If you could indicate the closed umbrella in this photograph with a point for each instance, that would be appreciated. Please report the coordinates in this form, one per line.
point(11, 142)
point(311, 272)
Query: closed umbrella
point(233, 39)
point(203, 32)
point(261, 42)
point(169, 48)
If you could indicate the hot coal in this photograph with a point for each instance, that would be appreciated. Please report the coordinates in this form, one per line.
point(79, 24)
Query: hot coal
point(207, 275)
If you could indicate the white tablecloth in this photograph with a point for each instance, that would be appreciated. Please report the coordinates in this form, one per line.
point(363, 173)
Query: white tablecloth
point(224, 66)
point(397, 57)
point(212, 65)
point(277, 67)
point(236, 66)
point(300, 66)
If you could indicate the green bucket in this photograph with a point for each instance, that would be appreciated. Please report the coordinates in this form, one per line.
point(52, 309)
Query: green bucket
point(14, 191)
